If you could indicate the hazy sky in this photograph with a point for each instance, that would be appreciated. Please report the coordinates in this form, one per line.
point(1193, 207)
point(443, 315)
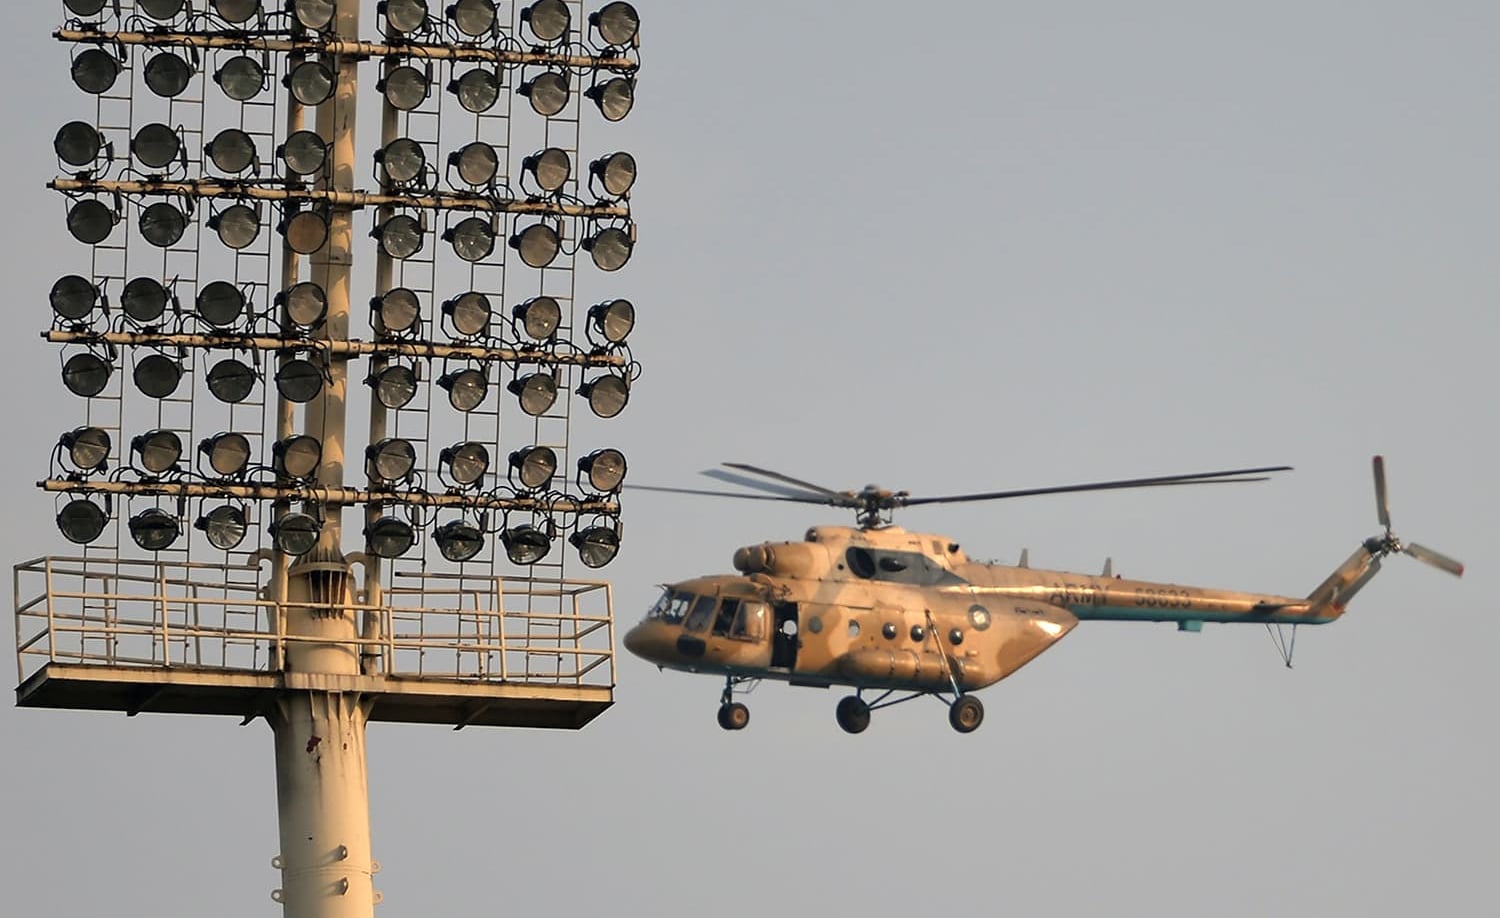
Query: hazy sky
point(1004, 245)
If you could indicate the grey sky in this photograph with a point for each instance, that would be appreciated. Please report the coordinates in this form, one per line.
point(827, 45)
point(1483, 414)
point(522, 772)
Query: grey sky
point(943, 248)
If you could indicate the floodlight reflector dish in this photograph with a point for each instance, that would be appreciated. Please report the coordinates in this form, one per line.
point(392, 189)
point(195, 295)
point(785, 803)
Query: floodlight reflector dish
point(91, 221)
point(225, 526)
point(604, 469)
point(458, 540)
point(84, 7)
point(228, 453)
point(477, 163)
point(395, 386)
point(306, 231)
point(306, 304)
point(297, 456)
point(539, 317)
point(551, 168)
point(156, 146)
point(159, 450)
point(473, 239)
point(296, 533)
point(81, 521)
point(143, 300)
point(617, 23)
point(311, 82)
point(538, 244)
point(231, 381)
point(86, 374)
point(403, 159)
point(231, 151)
point(154, 529)
point(237, 12)
point(466, 388)
point(304, 152)
point(469, 312)
point(607, 395)
point(405, 87)
point(73, 297)
point(390, 460)
point(466, 463)
point(610, 248)
point(313, 14)
point(160, 10)
point(399, 310)
point(478, 90)
point(405, 16)
point(163, 224)
point(389, 537)
point(548, 93)
point(88, 448)
point(597, 545)
point(220, 303)
point(95, 71)
point(242, 78)
point(78, 143)
point(400, 236)
point(473, 17)
point(238, 225)
point(157, 375)
point(536, 392)
point(299, 380)
point(525, 544)
point(549, 19)
point(614, 98)
point(168, 75)
point(613, 319)
point(534, 465)
point(616, 172)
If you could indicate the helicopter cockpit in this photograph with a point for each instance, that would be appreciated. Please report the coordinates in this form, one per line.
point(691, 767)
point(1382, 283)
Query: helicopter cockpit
point(725, 616)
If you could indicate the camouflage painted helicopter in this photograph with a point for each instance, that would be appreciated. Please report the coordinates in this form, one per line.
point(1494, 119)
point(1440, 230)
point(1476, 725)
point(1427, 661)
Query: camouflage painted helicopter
point(903, 614)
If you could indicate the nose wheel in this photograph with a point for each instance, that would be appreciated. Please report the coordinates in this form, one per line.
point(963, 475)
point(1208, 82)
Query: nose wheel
point(733, 716)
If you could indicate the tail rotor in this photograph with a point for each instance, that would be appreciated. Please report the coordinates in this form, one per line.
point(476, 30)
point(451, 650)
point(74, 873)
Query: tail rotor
point(1390, 544)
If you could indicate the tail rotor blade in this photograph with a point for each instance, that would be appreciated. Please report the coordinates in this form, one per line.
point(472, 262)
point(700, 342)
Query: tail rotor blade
point(1382, 504)
point(1437, 559)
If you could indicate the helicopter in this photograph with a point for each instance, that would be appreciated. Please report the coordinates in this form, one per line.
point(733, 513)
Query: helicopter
point(898, 615)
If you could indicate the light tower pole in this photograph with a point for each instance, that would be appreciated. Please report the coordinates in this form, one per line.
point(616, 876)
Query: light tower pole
point(478, 625)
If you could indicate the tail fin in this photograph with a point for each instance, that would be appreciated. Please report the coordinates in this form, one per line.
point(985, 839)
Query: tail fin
point(1332, 595)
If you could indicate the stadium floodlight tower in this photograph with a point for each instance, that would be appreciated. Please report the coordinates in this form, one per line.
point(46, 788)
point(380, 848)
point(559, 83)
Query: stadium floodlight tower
point(212, 340)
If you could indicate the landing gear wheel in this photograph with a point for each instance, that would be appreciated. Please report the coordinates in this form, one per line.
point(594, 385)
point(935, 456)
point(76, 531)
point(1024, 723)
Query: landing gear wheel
point(853, 714)
point(966, 714)
point(733, 716)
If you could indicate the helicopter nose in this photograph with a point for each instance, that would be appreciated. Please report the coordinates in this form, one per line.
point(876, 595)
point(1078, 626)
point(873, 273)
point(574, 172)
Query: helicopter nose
point(650, 640)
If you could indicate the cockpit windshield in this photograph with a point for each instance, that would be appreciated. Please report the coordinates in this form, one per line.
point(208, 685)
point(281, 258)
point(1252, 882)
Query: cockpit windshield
point(740, 619)
point(671, 607)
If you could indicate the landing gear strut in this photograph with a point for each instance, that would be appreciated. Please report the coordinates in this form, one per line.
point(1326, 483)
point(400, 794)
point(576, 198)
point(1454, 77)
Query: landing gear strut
point(732, 714)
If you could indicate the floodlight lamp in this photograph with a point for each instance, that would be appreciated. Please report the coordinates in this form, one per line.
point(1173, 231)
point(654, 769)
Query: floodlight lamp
point(466, 388)
point(525, 544)
point(549, 20)
point(465, 463)
point(158, 450)
point(597, 545)
point(536, 392)
point(163, 224)
point(539, 317)
point(613, 320)
point(607, 394)
point(156, 146)
point(390, 460)
point(398, 310)
point(90, 221)
point(154, 529)
point(238, 225)
point(311, 82)
point(231, 381)
point(538, 244)
point(614, 98)
point(304, 152)
point(87, 447)
point(78, 143)
point(473, 17)
point(617, 23)
point(473, 239)
point(231, 151)
point(395, 386)
point(403, 159)
point(389, 537)
point(299, 380)
point(143, 300)
point(400, 236)
point(86, 374)
point(220, 303)
point(469, 313)
point(610, 248)
point(84, 7)
point(603, 470)
point(477, 163)
point(551, 168)
point(237, 12)
point(615, 172)
point(313, 14)
point(297, 456)
point(82, 521)
point(296, 533)
point(548, 92)
point(306, 231)
point(242, 78)
point(160, 10)
point(404, 16)
point(534, 465)
point(304, 305)
point(95, 71)
point(73, 298)
point(477, 90)
point(458, 540)
point(228, 454)
point(168, 75)
point(405, 87)
point(225, 526)
point(157, 375)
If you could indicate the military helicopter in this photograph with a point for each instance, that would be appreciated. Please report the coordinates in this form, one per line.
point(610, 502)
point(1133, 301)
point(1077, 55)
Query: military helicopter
point(902, 615)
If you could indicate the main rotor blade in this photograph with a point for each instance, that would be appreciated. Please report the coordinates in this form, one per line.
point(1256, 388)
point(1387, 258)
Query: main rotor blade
point(1223, 477)
point(810, 499)
point(1382, 503)
point(745, 481)
point(817, 489)
point(1436, 558)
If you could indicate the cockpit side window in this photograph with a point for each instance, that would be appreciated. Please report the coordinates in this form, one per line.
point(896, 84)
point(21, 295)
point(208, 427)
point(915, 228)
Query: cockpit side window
point(702, 614)
point(727, 609)
point(750, 623)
